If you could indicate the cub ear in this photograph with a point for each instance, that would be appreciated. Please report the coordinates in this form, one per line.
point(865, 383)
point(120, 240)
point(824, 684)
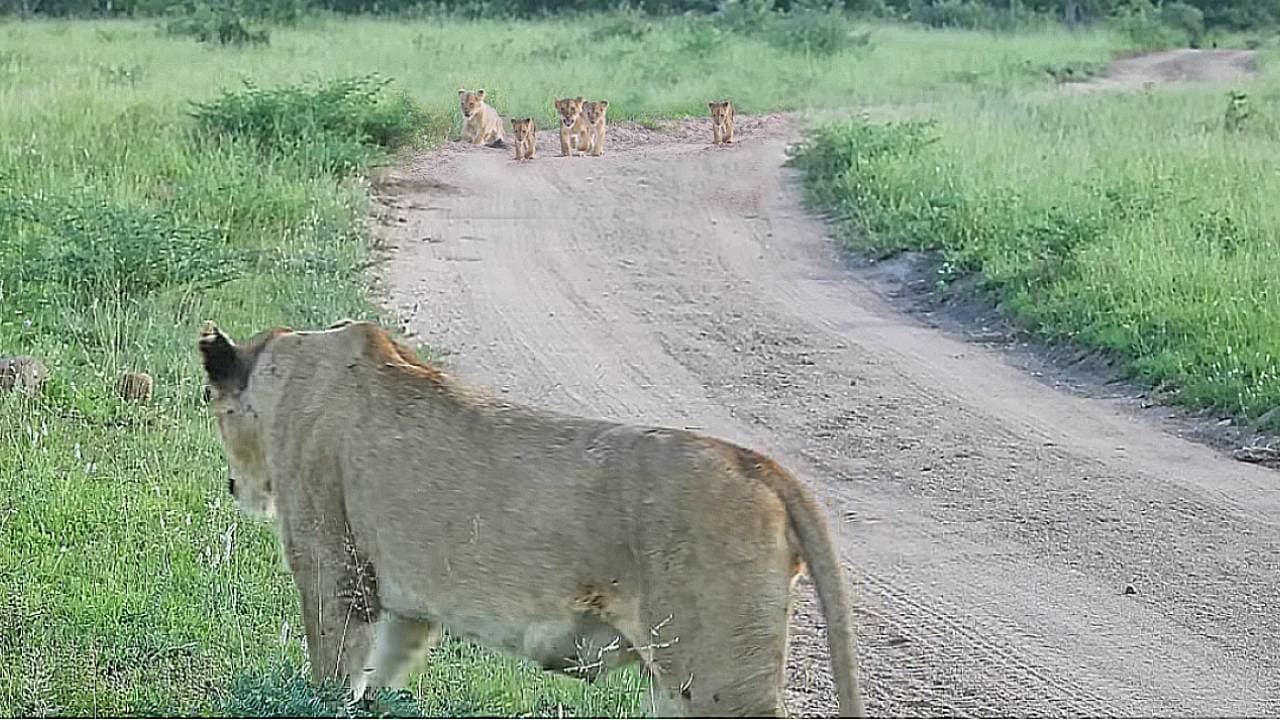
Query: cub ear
point(341, 323)
point(579, 99)
point(462, 91)
point(712, 105)
point(480, 93)
point(604, 103)
point(222, 364)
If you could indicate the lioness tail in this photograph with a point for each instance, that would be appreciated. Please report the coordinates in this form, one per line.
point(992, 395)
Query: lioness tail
point(824, 568)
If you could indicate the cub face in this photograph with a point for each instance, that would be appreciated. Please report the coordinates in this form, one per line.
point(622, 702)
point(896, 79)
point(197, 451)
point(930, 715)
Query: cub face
point(570, 110)
point(596, 110)
point(470, 102)
point(720, 111)
point(523, 128)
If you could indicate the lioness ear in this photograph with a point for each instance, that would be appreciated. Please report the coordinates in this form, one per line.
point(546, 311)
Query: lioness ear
point(341, 323)
point(221, 358)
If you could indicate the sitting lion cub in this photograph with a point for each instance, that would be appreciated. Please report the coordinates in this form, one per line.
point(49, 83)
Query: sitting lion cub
point(407, 503)
point(481, 124)
point(721, 122)
point(574, 133)
point(526, 132)
point(595, 112)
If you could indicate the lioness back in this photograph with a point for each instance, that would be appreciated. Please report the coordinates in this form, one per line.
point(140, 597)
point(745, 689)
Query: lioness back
point(577, 542)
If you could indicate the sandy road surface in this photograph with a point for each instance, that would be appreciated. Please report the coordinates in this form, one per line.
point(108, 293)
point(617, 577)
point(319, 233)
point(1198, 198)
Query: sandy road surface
point(1172, 67)
point(990, 524)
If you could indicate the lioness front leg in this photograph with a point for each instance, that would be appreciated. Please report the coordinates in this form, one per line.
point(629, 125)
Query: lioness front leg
point(338, 603)
point(399, 644)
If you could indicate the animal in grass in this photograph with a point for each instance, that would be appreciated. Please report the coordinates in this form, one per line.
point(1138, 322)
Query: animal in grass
point(526, 132)
point(595, 111)
point(24, 374)
point(481, 124)
point(721, 121)
point(407, 503)
point(135, 387)
point(575, 135)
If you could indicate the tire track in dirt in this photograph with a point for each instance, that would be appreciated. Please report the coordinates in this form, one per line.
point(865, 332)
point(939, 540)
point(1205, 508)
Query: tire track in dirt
point(990, 524)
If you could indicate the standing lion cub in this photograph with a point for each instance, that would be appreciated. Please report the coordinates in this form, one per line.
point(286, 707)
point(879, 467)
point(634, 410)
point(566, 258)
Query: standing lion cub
point(721, 122)
point(574, 133)
point(595, 111)
point(526, 132)
point(481, 124)
point(408, 503)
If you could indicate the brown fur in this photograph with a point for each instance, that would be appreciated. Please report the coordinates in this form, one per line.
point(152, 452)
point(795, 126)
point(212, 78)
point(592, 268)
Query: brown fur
point(595, 114)
point(135, 387)
point(722, 114)
point(579, 543)
point(24, 374)
point(575, 136)
point(481, 124)
point(526, 132)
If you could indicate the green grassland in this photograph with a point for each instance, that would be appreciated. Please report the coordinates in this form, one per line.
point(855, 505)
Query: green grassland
point(1139, 224)
point(128, 214)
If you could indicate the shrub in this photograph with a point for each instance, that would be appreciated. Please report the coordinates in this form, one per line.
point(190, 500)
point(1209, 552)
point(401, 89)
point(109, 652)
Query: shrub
point(340, 125)
point(222, 25)
point(85, 249)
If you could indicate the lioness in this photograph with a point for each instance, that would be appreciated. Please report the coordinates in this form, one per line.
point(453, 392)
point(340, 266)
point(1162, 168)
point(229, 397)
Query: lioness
point(526, 132)
point(24, 374)
point(481, 124)
point(574, 133)
point(595, 112)
point(407, 503)
point(721, 122)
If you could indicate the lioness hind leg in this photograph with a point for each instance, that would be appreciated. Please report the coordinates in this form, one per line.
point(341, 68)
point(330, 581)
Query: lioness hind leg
point(399, 644)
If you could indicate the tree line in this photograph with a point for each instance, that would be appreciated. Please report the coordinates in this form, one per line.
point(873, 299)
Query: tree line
point(1192, 17)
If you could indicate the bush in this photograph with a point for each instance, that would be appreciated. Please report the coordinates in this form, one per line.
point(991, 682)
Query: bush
point(84, 249)
point(1185, 18)
point(340, 125)
point(815, 31)
point(222, 26)
point(1142, 24)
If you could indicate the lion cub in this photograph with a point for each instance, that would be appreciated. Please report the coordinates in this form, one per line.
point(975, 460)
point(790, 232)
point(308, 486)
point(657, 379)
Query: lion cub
point(481, 124)
point(574, 133)
point(526, 132)
point(595, 112)
point(721, 122)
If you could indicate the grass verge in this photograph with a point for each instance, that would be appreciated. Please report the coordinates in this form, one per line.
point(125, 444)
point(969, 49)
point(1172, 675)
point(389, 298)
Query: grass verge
point(1137, 224)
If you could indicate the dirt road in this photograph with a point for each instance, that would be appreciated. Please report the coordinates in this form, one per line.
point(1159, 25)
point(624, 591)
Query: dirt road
point(1172, 67)
point(1013, 549)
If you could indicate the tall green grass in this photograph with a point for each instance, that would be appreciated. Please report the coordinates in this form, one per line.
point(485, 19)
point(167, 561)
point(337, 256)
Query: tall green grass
point(144, 187)
point(1138, 224)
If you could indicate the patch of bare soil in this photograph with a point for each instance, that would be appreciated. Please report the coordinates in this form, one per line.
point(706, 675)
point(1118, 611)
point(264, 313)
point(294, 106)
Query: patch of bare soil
point(1015, 548)
point(1172, 67)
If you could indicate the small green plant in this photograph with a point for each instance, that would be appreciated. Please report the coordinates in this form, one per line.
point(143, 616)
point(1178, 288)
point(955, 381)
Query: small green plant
point(287, 693)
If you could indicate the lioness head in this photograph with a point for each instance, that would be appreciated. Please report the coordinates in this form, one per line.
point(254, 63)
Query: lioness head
point(570, 109)
point(470, 101)
point(232, 400)
point(596, 110)
point(719, 110)
point(522, 127)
